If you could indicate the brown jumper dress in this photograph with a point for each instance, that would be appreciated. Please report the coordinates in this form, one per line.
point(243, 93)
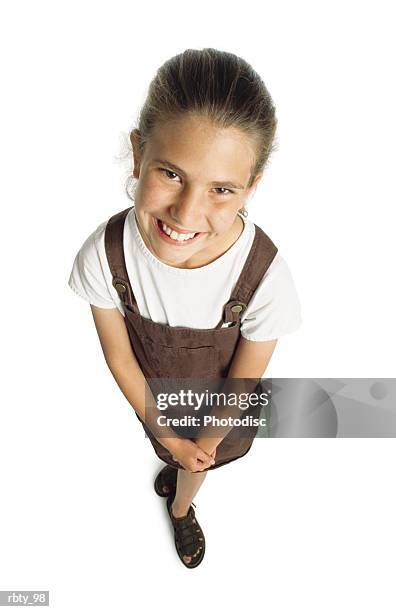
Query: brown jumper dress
point(163, 351)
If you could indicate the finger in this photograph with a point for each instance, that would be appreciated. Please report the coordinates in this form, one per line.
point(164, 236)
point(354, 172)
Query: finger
point(199, 464)
point(204, 465)
point(204, 457)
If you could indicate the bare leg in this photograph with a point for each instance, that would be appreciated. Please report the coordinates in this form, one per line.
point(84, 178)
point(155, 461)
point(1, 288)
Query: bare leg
point(188, 484)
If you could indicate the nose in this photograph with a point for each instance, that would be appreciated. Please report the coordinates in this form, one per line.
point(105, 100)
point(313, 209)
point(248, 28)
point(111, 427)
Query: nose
point(187, 211)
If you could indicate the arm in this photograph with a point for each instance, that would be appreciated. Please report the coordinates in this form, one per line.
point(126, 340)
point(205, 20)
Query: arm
point(250, 361)
point(122, 362)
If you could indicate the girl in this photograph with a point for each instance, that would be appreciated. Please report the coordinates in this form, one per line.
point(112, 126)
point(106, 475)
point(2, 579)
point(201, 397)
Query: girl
point(181, 284)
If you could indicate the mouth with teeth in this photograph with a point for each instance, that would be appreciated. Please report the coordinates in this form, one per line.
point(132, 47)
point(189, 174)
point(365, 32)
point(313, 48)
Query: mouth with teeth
point(173, 237)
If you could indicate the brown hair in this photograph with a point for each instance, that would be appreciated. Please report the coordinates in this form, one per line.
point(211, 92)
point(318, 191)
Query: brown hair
point(215, 84)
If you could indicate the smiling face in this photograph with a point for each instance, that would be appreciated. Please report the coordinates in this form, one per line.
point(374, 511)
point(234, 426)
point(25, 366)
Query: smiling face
point(193, 177)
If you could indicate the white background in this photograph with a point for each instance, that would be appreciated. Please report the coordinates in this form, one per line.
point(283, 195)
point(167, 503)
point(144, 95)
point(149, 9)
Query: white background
point(298, 524)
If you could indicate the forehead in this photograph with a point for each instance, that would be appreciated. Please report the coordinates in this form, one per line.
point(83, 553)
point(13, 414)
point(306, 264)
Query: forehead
point(199, 147)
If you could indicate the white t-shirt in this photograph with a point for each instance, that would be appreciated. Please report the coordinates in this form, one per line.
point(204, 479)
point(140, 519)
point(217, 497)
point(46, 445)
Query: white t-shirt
point(188, 297)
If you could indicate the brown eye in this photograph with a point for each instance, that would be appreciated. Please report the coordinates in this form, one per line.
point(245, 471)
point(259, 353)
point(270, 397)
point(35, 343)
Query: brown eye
point(224, 194)
point(167, 172)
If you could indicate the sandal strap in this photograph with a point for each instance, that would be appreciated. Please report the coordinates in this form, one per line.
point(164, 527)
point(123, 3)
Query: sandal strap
point(188, 533)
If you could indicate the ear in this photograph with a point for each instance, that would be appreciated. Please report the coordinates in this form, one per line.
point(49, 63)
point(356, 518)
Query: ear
point(136, 153)
point(252, 189)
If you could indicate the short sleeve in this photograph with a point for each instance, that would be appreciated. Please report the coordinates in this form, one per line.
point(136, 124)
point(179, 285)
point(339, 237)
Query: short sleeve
point(274, 309)
point(87, 278)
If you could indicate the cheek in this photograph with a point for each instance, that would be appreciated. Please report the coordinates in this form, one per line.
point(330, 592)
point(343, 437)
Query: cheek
point(151, 194)
point(224, 220)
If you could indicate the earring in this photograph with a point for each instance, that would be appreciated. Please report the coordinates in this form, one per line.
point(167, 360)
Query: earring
point(243, 211)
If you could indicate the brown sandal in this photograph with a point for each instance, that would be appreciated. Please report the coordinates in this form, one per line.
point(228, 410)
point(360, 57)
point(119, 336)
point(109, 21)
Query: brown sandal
point(167, 477)
point(189, 537)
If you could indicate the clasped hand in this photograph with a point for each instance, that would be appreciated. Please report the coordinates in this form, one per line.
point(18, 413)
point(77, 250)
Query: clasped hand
point(190, 456)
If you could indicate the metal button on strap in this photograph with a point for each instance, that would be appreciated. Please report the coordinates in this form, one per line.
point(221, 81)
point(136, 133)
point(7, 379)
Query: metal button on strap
point(232, 311)
point(237, 308)
point(120, 287)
